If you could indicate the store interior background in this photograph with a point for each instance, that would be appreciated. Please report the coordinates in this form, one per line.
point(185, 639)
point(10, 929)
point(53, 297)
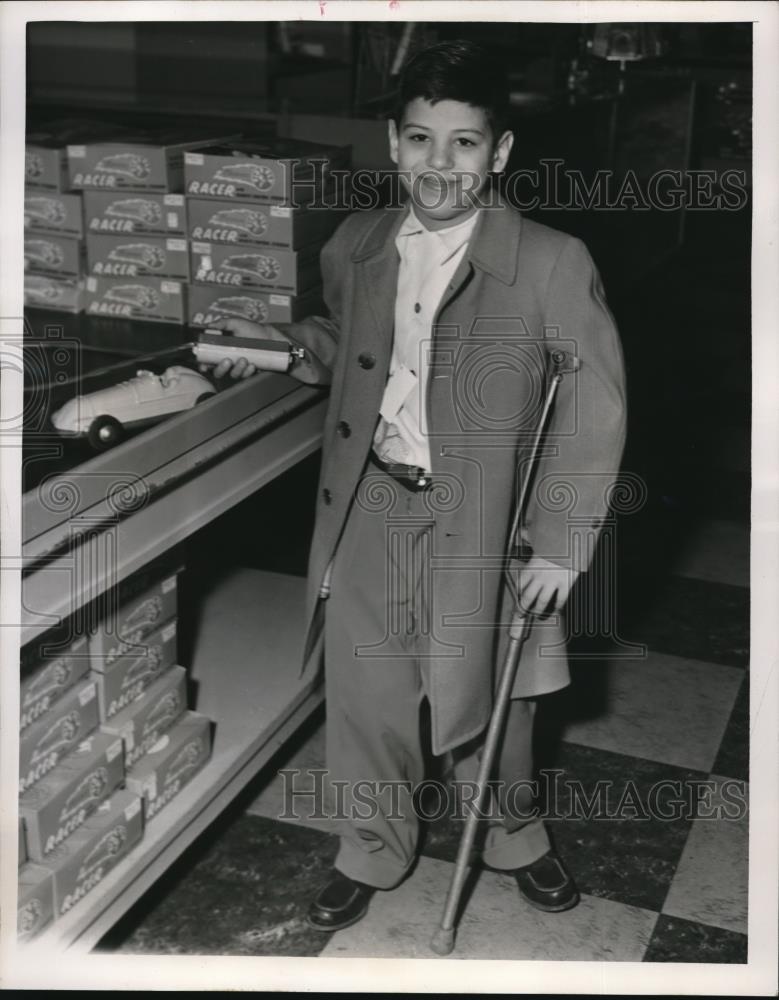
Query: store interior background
point(678, 284)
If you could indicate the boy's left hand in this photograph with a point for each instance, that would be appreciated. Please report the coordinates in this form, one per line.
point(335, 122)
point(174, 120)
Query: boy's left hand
point(544, 586)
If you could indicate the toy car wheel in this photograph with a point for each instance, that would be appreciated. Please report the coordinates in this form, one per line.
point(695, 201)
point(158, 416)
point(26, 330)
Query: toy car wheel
point(104, 432)
point(203, 397)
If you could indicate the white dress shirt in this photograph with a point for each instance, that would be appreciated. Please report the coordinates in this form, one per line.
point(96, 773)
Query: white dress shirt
point(428, 260)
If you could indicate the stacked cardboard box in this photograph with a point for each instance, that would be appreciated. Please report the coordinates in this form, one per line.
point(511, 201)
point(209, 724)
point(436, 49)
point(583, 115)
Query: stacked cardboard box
point(143, 694)
point(257, 221)
point(105, 217)
point(135, 222)
point(105, 742)
point(54, 252)
point(67, 769)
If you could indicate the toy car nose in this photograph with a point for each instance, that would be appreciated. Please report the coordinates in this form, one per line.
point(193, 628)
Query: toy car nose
point(68, 417)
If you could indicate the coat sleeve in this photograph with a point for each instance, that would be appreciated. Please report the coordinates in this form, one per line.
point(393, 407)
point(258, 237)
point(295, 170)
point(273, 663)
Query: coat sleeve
point(319, 335)
point(583, 446)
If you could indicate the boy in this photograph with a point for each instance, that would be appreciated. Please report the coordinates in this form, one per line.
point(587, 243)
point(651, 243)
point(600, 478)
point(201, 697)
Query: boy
point(443, 318)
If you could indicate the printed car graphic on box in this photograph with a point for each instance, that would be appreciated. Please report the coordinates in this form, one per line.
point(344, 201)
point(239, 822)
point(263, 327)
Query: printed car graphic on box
point(244, 219)
point(257, 264)
point(40, 289)
point(33, 166)
point(164, 711)
point(137, 209)
point(140, 296)
point(255, 175)
point(143, 667)
point(185, 760)
point(127, 164)
point(53, 678)
point(43, 253)
point(29, 917)
point(58, 736)
point(240, 305)
point(109, 845)
point(146, 613)
point(49, 211)
point(143, 254)
point(89, 789)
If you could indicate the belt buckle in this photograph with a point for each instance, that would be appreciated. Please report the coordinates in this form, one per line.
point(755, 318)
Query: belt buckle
point(421, 478)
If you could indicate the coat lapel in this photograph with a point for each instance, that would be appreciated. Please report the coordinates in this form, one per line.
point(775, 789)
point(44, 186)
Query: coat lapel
point(378, 260)
point(493, 248)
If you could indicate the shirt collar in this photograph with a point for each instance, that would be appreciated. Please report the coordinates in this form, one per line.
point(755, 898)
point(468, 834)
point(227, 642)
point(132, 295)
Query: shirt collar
point(451, 238)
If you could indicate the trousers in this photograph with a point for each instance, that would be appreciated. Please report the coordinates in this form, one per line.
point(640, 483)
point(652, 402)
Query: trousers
point(377, 624)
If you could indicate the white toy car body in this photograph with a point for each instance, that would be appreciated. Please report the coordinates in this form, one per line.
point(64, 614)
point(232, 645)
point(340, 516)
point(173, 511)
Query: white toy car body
point(102, 416)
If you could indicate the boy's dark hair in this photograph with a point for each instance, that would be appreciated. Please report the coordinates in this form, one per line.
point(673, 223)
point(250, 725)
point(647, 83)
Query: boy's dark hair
point(458, 70)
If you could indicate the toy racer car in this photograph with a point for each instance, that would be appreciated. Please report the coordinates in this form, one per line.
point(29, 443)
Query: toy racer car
point(102, 416)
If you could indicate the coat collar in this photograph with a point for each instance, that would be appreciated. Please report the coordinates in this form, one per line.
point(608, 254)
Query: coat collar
point(493, 246)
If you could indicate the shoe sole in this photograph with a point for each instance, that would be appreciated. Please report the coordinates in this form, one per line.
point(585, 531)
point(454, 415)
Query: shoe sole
point(336, 927)
point(549, 908)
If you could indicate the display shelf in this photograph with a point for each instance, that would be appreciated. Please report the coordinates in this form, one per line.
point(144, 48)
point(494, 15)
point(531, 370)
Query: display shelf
point(104, 557)
point(246, 670)
point(97, 490)
point(80, 542)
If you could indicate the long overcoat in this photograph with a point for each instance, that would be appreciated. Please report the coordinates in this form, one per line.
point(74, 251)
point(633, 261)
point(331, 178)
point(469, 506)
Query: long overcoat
point(521, 292)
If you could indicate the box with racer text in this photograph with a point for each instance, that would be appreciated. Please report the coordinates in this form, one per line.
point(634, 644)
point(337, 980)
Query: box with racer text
point(254, 224)
point(49, 668)
point(133, 610)
point(290, 272)
point(282, 171)
point(61, 802)
point(143, 160)
point(45, 151)
point(141, 214)
point(138, 256)
point(141, 724)
point(171, 763)
point(213, 307)
point(123, 679)
point(82, 861)
point(158, 300)
point(57, 733)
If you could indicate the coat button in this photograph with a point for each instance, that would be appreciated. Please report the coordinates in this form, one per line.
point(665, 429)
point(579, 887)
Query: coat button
point(344, 429)
point(366, 360)
point(327, 496)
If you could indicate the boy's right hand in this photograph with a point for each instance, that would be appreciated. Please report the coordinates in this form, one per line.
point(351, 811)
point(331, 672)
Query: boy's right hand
point(241, 368)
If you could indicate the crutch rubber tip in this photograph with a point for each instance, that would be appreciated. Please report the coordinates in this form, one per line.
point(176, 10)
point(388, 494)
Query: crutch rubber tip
point(442, 942)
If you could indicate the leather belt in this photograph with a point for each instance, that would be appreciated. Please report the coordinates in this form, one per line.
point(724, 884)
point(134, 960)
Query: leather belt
point(412, 477)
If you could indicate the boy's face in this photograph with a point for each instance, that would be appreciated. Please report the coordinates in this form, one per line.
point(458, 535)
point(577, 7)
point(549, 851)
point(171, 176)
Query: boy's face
point(444, 152)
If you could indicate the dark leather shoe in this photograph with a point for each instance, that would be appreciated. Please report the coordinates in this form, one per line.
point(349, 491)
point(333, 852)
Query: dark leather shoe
point(340, 904)
point(547, 885)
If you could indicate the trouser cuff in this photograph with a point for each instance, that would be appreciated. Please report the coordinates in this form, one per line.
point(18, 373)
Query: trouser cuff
point(522, 847)
point(370, 868)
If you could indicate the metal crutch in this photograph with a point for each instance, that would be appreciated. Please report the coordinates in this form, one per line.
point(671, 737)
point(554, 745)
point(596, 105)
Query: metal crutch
point(442, 942)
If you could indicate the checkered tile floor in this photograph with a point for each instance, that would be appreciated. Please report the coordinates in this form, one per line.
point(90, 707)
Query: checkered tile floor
point(670, 724)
